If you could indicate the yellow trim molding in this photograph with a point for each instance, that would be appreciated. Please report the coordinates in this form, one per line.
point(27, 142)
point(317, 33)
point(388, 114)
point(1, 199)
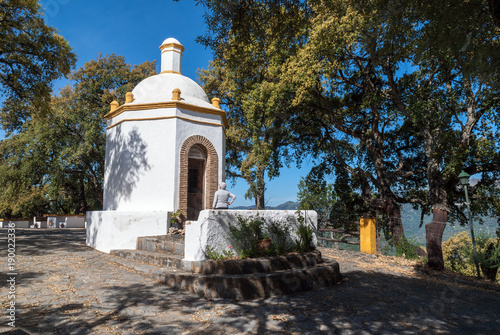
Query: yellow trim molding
point(165, 118)
point(167, 104)
point(170, 71)
point(172, 45)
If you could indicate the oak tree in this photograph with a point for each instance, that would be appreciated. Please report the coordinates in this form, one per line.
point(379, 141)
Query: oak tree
point(55, 163)
point(250, 41)
point(32, 56)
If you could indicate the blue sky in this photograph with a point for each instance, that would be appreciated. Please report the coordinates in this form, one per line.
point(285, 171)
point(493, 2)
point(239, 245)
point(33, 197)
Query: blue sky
point(135, 30)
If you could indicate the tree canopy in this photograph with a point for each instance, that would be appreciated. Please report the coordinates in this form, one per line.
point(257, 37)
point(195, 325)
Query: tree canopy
point(247, 59)
point(401, 95)
point(32, 56)
point(55, 163)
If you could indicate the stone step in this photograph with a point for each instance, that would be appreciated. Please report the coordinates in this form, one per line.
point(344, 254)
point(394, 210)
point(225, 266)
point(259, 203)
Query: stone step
point(259, 265)
point(228, 279)
point(256, 285)
point(168, 244)
point(160, 259)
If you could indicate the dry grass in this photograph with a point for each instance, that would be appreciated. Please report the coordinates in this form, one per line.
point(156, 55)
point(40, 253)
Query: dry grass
point(356, 261)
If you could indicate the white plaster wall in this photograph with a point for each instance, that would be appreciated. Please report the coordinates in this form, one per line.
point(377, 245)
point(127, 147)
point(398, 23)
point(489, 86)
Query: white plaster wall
point(142, 157)
point(108, 230)
point(140, 166)
point(74, 222)
point(17, 223)
point(212, 229)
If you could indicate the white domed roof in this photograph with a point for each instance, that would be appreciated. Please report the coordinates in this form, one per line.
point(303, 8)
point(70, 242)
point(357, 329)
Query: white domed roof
point(159, 88)
point(171, 40)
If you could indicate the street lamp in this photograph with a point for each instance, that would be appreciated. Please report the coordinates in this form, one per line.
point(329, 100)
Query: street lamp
point(464, 180)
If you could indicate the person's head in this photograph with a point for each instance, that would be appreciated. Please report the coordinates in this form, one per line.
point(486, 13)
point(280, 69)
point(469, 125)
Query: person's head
point(222, 186)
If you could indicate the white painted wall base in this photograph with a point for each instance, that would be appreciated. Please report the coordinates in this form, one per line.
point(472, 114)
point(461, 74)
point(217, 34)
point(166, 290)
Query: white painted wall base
point(74, 222)
point(212, 229)
point(108, 230)
point(4, 223)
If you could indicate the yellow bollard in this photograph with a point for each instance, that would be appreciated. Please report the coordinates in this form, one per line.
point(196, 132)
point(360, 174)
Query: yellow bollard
point(368, 236)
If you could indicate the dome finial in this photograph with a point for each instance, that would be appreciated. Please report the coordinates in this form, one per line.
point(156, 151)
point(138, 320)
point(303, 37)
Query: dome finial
point(129, 97)
point(113, 105)
point(176, 94)
point(216, 102)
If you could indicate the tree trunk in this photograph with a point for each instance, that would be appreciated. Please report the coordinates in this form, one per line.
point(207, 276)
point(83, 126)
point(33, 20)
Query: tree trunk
point(259, 194)
point(434, 235)
point(494, 6)
point(259, 201)
point(260, 188)
point(395, 224)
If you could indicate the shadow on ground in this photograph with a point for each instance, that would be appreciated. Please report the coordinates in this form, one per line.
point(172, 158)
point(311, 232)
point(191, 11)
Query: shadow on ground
point(36, 242)
point(373, 302)
point(366, 300)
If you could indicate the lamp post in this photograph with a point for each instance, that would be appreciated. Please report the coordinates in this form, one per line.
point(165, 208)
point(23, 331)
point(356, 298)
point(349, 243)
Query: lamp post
point(464, 180)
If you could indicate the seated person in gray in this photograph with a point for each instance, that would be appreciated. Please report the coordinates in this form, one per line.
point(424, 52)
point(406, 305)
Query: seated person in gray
point(221, 198)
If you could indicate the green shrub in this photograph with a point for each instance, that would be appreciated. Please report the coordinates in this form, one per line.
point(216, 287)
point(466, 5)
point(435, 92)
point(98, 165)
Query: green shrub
point(279, 235)
point(458, 253)
point(246, 232)
point(304, 241)
point(245, 235)
point(407, 249)
point(211, 253)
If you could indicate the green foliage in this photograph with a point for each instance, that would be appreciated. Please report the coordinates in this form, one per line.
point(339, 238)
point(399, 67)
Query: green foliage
point(458, 253)
point(304, 241)
point(32, 56)
point(280, 234)
point(245, 234)
point(316, 195)
point(333, 203)
point(248, 57)
point(55, 164)
point(489, 256)
point(211, 253)
point(177, 216)
point(407, 248)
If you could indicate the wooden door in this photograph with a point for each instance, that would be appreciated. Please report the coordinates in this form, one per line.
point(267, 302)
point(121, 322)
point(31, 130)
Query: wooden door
point(196, 182)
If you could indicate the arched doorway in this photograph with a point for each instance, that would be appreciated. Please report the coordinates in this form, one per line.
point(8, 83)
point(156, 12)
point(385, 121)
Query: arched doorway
point(196, 182)
point(210, 175)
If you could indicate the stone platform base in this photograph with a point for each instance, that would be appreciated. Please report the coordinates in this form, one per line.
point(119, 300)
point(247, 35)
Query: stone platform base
point(256, 285)
point(160, 258)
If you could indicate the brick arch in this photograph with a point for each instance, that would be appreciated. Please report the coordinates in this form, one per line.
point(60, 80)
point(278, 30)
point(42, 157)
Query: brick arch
point(211, 170)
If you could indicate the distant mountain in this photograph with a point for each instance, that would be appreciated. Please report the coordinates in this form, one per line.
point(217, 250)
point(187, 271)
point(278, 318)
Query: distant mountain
point(289, 205)
point(411, 223)
point(242, 208)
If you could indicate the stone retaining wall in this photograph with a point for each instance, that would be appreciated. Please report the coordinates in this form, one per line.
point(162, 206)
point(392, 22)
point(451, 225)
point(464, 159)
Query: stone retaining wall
point(212, 229)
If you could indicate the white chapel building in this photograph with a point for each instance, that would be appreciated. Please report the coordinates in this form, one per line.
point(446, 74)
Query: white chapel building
point(165, 150)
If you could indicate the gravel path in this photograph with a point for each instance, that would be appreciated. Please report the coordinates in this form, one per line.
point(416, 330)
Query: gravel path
point(65, 287)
